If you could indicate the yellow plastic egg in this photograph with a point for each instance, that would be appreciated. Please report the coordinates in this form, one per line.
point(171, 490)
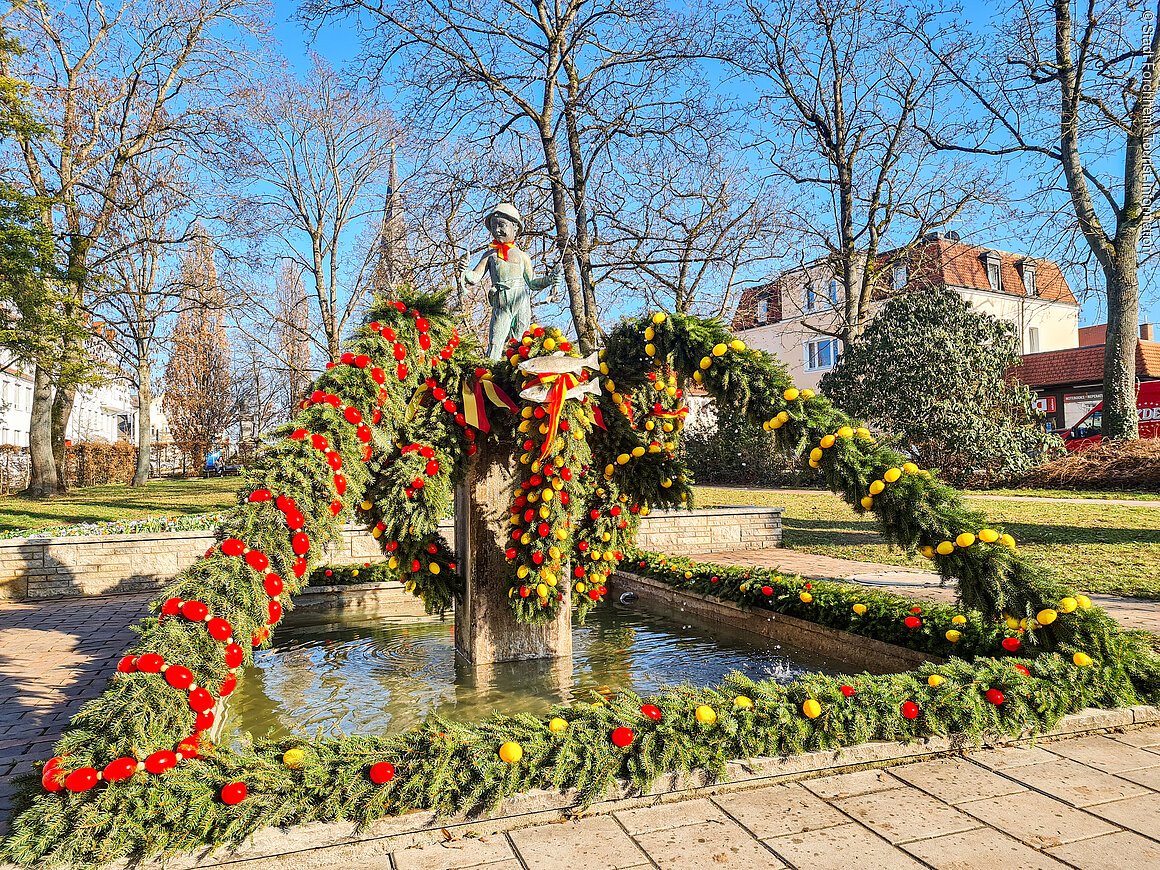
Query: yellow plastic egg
point(558, 725)
point(511, 752)
point(812, 709)
point(860, 609)
point(934, 681)
point(790, 394)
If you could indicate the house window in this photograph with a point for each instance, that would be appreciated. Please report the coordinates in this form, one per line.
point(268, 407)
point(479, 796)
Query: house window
point(1033, 339)
point(993, 276)
point(1029, 281)
point(899, 276)
point(835, 291)
point(821, 354)
point(763, 311)
point(811, 298)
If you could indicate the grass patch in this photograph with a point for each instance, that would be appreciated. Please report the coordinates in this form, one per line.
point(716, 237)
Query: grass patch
point(1101, 494)
point(1113, 549)
point(159, 498)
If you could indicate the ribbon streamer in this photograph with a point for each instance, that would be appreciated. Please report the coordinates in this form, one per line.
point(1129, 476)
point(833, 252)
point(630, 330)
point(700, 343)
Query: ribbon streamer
point(558, 387)
point(502, 248)
point(474, 406)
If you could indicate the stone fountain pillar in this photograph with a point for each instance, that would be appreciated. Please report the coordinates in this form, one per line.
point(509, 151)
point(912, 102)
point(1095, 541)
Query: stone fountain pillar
point(486, 630)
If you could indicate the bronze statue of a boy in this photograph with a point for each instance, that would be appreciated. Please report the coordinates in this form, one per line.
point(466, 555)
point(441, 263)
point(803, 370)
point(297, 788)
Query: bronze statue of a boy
point(512, 278)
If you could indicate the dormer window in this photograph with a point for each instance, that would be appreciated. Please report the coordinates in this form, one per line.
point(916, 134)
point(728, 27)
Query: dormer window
point(763, 310)
point(1028, 269)
point(994, 275)
point(835, 291)
point(899, 276)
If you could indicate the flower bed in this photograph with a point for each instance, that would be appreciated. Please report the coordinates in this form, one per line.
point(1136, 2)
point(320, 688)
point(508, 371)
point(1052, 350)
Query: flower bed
point(145, 525)
point(135, 774)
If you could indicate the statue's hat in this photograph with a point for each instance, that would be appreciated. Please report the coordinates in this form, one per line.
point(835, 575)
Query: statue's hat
point(507, 210)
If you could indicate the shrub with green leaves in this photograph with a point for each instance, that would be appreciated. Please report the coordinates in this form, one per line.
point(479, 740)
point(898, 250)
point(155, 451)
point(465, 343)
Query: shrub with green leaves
point(930, 370)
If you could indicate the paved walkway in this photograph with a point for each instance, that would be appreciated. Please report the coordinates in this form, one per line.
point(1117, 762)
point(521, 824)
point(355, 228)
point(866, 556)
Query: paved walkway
point(1090, 802)
point(1132, 612)
point(54, 657)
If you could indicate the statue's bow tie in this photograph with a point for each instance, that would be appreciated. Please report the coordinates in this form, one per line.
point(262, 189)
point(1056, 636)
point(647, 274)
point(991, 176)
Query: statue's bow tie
point(502, 248)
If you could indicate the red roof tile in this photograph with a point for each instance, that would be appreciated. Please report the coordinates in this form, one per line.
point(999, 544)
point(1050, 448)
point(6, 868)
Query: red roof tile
point(1081, 365)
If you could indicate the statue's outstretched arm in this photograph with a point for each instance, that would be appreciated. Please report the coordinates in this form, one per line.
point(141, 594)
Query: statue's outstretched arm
point(534, 283)
point(474, 276)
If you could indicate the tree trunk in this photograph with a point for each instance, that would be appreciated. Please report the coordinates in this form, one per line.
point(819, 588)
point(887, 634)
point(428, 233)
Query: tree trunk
point(43, 480)
point(144, 420)
point(580, 207)
point(1121, 419)
point(584, 322)
point(62, 405)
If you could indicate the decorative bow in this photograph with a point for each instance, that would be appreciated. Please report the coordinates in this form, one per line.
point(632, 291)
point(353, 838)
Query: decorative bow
point(558, 386)
point(475, 408)
point(502, 248)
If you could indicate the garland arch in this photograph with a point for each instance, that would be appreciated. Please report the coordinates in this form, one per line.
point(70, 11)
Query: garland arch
point(385, 435)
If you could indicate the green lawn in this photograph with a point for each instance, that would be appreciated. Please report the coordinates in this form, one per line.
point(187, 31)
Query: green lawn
point(1101, 494)
point(1104, 548)
point(160, 498)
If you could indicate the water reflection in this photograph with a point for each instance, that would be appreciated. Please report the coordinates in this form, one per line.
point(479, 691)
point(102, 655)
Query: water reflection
point(341, 671)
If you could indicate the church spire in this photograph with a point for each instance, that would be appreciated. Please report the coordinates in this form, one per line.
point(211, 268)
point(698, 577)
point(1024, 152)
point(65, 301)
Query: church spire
point(393, 267)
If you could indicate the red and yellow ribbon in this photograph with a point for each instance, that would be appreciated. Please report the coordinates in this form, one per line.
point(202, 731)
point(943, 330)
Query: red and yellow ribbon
point(558, 386)
point(474, 406)
point(502, 248)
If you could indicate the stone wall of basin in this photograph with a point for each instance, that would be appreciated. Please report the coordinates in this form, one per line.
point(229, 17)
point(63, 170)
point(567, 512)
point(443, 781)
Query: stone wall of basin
point(40, 568)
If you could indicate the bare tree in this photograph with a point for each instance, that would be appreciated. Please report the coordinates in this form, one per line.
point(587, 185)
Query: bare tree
point(314, 154)
point(111, 84)
point(292, 332)
point(1075, 89)
point(136, 299)
point(852, 96)
point(199, 399)
point(691, 229)
point(579, 79)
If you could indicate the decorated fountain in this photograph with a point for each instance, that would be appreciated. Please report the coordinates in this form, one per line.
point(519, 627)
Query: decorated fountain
point(548, 456)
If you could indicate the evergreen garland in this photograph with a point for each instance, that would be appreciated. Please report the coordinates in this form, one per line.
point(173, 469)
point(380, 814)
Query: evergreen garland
point(385, 433)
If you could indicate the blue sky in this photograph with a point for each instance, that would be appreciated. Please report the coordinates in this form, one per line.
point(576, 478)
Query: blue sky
point(339, 47)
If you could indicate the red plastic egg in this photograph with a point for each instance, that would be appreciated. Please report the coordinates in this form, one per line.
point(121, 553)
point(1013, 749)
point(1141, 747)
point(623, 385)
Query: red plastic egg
point(382, 772)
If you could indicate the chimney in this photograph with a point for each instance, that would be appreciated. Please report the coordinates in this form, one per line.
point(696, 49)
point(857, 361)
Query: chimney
point(1146, 332)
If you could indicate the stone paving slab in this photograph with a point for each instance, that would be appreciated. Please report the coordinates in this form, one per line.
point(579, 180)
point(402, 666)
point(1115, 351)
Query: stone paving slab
point(1105, 753)
point(1122, 850)
point(709, 844)
point(980, 849)
point(902, 815)
point(1036, 819)
point(956, 780)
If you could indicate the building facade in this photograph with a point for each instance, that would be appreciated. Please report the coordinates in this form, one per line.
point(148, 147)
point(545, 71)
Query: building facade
point(791, 315)
point(107, 412)
point(1068, 383)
